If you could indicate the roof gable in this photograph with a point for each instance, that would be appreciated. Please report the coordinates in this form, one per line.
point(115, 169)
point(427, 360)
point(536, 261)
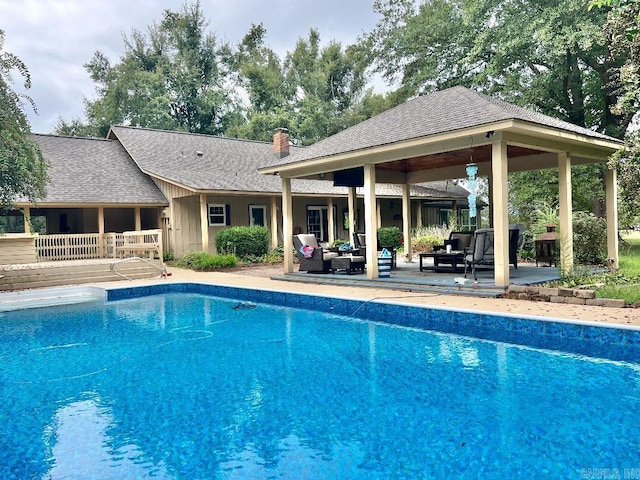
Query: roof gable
point(92, 170)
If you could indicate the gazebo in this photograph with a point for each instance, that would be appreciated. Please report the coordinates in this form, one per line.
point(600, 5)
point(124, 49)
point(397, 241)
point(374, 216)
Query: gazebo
point(435, 137)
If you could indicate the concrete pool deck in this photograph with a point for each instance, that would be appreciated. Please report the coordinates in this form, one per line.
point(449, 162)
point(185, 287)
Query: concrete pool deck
point(259, 277)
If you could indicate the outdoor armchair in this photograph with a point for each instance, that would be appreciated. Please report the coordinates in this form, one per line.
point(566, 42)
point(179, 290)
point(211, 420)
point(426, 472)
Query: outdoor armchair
point(312, 257)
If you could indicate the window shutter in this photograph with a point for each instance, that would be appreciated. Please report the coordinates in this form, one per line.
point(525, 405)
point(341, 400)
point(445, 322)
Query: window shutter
point(227, 209)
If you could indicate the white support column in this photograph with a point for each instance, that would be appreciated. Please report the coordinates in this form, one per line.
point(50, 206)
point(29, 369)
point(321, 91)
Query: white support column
point(378, 212)
point(419, 214)
point(204, 222)
point(351, 200)
point(406, 221)
point(371, 220)
point(331, 221)
point(611, 194)
point(499, 174)
point(138, 221)
point(101, 230)
point(273, 209)
point(287, 224)
point(26, 212)
point(565, 206)
point(490, 182)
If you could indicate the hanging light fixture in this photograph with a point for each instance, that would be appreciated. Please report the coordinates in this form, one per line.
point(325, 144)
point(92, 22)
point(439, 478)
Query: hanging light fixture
point(472, 171)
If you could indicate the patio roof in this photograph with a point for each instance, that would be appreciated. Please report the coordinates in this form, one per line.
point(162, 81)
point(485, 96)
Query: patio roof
point(433, 137)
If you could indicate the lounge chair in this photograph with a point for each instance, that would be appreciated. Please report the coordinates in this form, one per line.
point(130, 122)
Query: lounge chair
point(312, 257)
point(481, 252)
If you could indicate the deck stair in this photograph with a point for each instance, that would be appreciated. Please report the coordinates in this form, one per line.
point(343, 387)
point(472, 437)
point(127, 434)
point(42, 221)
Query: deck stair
point(54, 274)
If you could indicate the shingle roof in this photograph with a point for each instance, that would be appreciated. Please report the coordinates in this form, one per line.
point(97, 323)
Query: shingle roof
point(208, 163)
point(90, 170)
point(448, 110)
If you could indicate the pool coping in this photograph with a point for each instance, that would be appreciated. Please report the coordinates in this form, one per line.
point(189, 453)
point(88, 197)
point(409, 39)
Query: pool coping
point(603, 340)
point(47, 297)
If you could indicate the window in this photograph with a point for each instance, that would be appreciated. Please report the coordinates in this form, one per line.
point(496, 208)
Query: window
point(317, 222)
point(468, 223)
point(258, 215)
point(218, 214)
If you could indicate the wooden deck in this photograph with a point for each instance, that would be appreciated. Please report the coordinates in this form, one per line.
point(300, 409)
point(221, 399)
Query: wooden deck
point(73, 272)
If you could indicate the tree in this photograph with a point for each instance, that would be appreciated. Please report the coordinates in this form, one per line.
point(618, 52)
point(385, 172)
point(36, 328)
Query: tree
point(623, 23)
point(171, 77)
point(542, 54)
point(327, 82)
point(259, 72)
point(313, 92)
point(23, 170)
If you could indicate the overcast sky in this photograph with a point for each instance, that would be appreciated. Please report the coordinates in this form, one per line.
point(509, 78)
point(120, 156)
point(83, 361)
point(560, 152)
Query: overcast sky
point(54, 38)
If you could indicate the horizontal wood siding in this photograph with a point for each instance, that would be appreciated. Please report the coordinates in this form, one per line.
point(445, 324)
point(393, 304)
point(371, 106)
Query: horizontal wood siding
point(17, 250)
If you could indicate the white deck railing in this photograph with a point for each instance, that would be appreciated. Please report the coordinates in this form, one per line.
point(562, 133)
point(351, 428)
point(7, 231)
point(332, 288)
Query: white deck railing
point(84, 246)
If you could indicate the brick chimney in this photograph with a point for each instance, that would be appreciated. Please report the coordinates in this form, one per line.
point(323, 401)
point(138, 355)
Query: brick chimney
point(281, 142)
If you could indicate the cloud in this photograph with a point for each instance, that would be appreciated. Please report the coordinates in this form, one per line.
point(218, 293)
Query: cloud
point(55, 38)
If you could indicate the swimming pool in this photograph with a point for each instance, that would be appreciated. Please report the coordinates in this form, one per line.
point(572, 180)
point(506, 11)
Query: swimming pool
point(171, 382)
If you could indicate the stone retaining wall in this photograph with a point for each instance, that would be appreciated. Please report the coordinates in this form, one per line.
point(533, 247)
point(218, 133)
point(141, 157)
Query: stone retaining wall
point(575, 296)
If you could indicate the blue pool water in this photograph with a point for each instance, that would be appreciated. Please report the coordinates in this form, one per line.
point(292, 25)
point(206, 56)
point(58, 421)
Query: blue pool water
point(189, 386)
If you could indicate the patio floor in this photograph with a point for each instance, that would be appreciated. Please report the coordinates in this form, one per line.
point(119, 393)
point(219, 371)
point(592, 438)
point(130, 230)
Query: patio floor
point(408, 277)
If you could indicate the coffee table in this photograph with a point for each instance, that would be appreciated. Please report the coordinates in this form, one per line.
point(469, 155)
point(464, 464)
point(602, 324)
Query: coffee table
point(443, 261)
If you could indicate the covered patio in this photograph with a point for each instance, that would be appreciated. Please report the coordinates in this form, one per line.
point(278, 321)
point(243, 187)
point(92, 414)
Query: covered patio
point(435, 137)
point(407, 277)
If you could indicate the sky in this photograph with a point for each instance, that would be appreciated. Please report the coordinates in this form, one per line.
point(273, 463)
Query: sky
point(55, 38)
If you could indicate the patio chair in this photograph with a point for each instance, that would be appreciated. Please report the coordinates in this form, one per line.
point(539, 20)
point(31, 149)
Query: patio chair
point(481, 252)
point(360, 243)
point(457, 240)
point(312, 257)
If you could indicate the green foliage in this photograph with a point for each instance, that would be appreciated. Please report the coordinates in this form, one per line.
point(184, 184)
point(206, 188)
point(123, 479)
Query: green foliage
point(542, 216)
point(425, 243)
point(423, 239)
point(529, 191)
point(389, 237)
point(589, 234)
point(623, 283)
point(274, 256)
point(589, 239)
point(243, 241)
point(172, 76)
point(548, 55)
point(205, 261)
point(23, 170)
point(168, 256)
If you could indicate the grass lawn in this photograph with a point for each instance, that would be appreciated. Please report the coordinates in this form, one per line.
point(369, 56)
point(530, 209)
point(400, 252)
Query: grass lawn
point(625, 283)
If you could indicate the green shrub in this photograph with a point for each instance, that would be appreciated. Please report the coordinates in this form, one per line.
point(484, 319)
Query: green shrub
point(243, 241)
point(389, 237)
point(205, 261)
point(168, 256)
point(426, 243)
point(274, 256)
point(589, 239)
